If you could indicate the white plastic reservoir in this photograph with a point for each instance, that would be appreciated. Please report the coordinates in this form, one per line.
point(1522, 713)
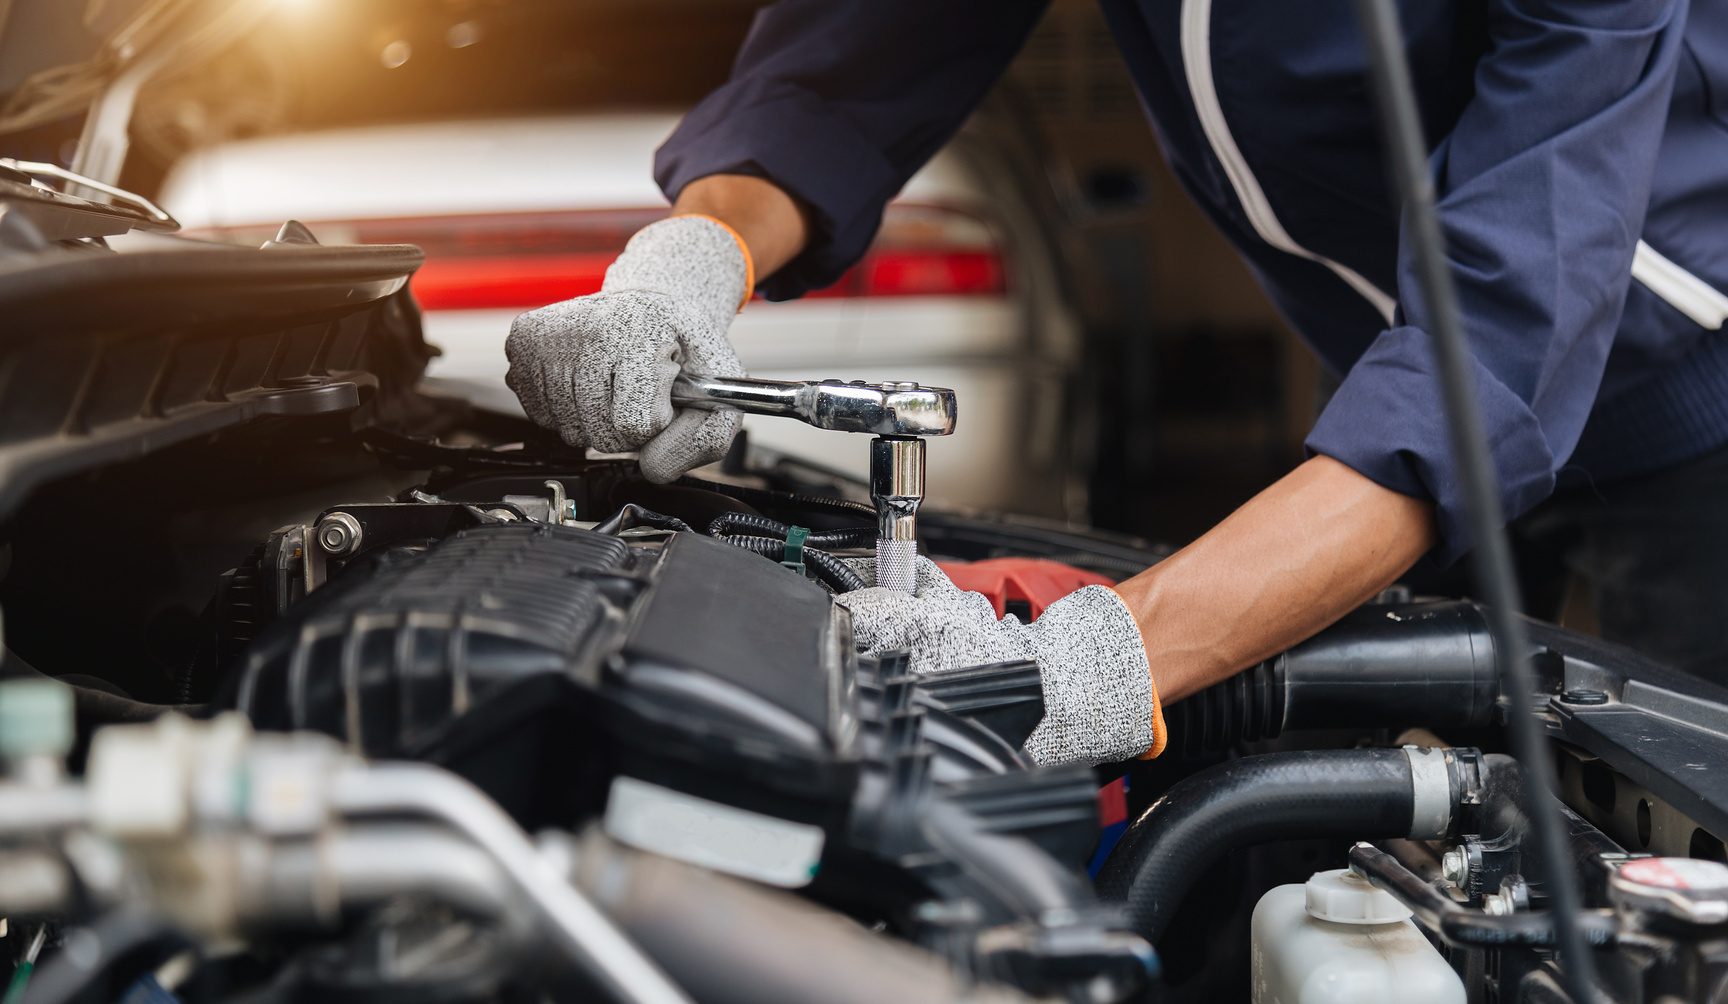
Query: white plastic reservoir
point(1338, 940)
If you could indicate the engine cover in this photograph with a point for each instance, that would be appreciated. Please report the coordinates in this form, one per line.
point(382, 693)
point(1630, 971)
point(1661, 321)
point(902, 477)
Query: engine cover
point(538, 659)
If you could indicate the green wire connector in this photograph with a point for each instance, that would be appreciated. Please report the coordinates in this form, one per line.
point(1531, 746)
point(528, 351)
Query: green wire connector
point(794, 556)
point(21, 975)
point(20, 979)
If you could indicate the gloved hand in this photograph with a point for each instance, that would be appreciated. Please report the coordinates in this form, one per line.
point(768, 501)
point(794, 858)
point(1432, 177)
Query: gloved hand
point(1100, 703)
point(599, 369)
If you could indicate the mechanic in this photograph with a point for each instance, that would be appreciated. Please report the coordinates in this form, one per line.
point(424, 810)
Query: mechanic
point(1563, 131)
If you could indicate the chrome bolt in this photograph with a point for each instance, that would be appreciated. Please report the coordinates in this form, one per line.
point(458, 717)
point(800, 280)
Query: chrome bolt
point(338, 534)
point(1514, 895)
point(1455, 866)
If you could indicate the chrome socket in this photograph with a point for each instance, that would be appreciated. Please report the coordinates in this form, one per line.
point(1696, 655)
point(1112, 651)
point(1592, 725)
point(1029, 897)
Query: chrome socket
point(897, 489)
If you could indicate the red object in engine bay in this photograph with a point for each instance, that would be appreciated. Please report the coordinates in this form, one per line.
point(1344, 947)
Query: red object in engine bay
point(1021, 586)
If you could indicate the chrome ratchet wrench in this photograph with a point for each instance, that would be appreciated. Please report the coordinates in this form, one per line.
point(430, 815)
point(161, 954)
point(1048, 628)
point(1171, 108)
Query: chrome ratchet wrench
point(899, 413)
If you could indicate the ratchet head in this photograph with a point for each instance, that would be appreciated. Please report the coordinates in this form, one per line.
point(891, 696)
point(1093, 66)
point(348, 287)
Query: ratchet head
point(893, 408)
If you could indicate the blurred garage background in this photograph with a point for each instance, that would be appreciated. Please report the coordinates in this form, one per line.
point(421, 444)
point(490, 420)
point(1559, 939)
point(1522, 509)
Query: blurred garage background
point(1116, 363)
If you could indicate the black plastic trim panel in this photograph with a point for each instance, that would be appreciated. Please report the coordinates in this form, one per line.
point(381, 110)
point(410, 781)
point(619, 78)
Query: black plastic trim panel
point(108, 357)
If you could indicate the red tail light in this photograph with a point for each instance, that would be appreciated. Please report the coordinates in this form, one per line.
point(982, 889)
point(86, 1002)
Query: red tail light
point(508, 280)
point(931, 273)
point(524, 260)
point(510, 260)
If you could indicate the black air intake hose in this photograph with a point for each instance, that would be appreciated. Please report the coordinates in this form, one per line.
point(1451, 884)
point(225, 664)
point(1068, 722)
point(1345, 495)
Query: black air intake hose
point(1382, 665)
point(1362, 794)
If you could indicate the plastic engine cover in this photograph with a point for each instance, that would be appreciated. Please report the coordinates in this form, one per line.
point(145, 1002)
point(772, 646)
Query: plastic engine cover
point(387, 656)
point(540, 660)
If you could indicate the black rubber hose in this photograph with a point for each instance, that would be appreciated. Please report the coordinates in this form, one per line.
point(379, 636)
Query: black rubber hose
point(633, 515)
point(1246, 707)
point(748, 524)
point(785, 500)
point(829, 569)
point(1361, 794)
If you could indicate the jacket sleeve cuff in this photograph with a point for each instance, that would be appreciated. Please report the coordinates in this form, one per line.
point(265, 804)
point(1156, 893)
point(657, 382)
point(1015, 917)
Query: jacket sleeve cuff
point(841, 178)
point(1388, 422)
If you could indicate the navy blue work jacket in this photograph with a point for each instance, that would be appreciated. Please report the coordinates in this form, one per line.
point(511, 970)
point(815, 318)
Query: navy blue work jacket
point(1563, 131)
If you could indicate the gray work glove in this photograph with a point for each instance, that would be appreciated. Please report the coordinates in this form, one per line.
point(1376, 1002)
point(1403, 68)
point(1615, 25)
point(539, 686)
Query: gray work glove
point(1099, 701)
point(599, 369)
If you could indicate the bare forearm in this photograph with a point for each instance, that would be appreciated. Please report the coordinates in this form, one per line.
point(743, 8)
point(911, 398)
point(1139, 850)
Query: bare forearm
point(1315, 545)
point(769, 221)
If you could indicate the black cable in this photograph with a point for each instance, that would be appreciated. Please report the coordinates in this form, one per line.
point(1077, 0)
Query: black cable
point(728, 523)
point(1401, 125)
point(832, 570)
point(787, 500)
point(633, 515)
point(829, 569)
point(745, 524)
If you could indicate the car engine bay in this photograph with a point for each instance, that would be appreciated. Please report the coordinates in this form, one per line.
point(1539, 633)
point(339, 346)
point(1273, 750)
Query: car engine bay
point(375, 696)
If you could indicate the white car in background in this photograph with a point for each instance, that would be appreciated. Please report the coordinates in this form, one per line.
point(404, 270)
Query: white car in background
point(958, 290)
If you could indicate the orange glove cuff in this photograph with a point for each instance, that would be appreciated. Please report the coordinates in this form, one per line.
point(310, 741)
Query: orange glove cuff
point(749, 262)
point(1160, 733)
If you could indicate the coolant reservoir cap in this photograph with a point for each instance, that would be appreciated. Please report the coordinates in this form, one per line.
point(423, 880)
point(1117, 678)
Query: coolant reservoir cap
point(1343, 897)
point(1688, 889)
